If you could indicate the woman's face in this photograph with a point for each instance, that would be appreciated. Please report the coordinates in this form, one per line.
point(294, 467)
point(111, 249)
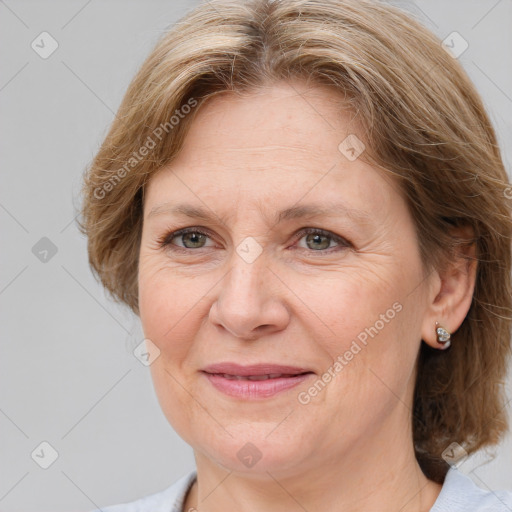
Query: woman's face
point(247, 285)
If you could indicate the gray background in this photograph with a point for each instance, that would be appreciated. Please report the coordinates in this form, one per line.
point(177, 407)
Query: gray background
point(68, 374)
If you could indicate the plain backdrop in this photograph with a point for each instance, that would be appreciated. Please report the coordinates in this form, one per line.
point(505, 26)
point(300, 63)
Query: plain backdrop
point(68, 374)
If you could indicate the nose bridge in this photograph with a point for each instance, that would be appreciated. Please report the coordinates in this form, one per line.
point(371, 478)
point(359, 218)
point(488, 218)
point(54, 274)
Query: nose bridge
point(244, 282)
point(248, 260)
point(245, 302)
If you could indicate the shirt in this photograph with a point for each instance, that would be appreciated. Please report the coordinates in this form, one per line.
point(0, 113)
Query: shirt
point(458, 494)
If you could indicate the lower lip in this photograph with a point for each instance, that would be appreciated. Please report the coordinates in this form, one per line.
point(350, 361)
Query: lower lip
point(255, 389)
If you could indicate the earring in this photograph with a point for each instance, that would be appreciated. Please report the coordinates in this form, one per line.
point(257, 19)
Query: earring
point(443, 336)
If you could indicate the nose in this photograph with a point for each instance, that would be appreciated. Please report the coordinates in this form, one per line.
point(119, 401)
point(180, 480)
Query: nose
point(250, 303)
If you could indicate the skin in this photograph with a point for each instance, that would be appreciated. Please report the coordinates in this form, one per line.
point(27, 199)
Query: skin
point(301, 302)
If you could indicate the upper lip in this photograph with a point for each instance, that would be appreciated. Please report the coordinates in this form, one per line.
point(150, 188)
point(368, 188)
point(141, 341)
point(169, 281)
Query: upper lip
point(254, 369)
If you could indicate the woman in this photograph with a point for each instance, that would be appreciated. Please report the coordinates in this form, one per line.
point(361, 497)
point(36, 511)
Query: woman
point(306, 205)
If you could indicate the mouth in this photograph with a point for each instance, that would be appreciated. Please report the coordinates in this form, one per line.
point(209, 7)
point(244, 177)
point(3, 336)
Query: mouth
point(256, 381)
point(258, 377)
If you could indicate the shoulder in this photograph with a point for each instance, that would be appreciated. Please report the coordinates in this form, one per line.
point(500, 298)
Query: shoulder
point(168, 500)
point(461, 494)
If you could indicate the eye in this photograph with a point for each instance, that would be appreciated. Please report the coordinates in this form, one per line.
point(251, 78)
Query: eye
point(191, 238)
point(318, 240)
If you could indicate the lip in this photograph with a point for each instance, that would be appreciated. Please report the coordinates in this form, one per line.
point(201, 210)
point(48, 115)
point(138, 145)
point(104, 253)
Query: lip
point(232, 379)
point(254, 369)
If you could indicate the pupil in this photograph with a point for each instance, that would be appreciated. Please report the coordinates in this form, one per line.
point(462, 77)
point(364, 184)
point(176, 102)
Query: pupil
point(194, 238)
point(317, 240)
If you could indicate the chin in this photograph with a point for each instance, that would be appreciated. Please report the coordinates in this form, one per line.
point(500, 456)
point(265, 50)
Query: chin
point(256, 453)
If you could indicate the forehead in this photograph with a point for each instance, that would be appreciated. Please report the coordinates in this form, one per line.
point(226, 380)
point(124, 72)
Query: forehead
point(277, 143)
point(276, 119)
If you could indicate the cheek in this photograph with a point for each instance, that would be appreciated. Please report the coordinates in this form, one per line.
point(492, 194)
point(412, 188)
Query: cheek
point(172, 309)
point(352, 304)
point(366, 321)
point(168, 308)
point(167, 312)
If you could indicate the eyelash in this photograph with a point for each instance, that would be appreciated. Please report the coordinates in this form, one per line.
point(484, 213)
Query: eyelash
point(166, 240)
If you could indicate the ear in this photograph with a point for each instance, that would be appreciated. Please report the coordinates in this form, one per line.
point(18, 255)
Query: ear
point(451, 291)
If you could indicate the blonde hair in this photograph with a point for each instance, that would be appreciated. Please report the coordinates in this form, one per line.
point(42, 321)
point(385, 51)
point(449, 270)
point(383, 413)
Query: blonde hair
point(421, 119)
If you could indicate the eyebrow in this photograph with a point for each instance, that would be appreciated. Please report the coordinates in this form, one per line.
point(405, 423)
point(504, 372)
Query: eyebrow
point(309, 211)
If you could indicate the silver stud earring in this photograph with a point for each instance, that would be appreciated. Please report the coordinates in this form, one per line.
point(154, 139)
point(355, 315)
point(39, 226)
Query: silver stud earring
point(443, 336)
